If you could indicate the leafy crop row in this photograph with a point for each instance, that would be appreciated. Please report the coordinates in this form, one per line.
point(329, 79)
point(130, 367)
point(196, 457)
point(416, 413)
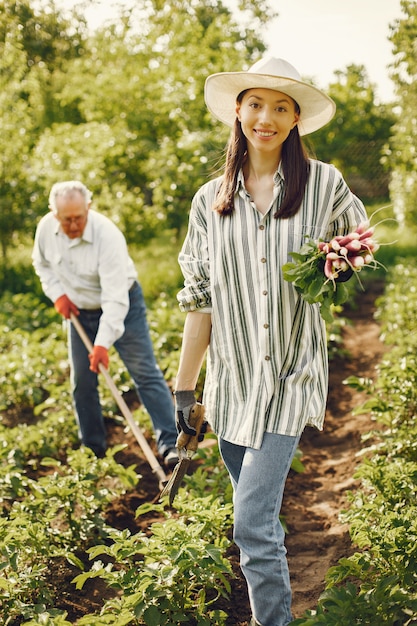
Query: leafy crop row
point(377, 585)
point(53, 496)
point(53, 499)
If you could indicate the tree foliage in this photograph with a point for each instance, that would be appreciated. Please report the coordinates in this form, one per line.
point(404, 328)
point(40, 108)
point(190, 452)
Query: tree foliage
point(33, 47)
point(15, 135)
point(402, 154)
point(356, 138)
point(122, 107)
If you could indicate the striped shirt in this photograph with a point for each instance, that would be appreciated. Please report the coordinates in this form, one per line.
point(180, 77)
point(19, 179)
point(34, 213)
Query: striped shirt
point(267, 364)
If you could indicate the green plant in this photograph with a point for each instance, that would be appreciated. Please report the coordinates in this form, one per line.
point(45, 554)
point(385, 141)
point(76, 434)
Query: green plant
point(54, 517)
point(320, 269)
point(377, 584)
point(171, 576)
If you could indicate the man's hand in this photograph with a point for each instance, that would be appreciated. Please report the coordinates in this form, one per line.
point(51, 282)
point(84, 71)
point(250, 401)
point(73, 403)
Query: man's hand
point(97, 356)
point(184, 402)
point(65, 307)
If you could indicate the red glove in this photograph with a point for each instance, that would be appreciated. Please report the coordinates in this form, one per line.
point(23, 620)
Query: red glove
point(65, 307)
point(98, 355)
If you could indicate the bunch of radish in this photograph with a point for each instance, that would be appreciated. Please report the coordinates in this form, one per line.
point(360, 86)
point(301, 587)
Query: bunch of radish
point(349, 252)
point(320, 269)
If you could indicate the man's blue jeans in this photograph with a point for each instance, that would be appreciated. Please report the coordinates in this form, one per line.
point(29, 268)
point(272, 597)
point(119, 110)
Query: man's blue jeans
point(258, 478)
point(136, 351)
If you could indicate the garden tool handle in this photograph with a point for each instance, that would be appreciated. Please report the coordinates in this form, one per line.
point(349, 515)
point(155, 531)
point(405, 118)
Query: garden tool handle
point(140, 438)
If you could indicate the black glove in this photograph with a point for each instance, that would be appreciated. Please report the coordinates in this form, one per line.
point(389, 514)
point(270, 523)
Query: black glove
point(342, 277)
point(184, 402)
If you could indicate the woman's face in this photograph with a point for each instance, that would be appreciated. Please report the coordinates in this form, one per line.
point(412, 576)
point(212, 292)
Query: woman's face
point(266, 117)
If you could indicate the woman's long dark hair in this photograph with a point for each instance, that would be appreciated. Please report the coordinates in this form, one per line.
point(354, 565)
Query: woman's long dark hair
point(295, 164)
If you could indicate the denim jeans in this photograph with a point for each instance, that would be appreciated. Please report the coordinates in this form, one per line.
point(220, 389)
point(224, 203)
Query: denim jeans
point(136, 351)
point(258, 478)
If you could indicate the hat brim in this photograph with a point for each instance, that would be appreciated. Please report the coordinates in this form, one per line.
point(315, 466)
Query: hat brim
point(221, 91)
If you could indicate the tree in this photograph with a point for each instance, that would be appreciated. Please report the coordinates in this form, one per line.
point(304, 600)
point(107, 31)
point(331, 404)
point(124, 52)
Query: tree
point(15, 138)
point(402, 154)
point(32, 45)
point(143, 77)
point(356, 137)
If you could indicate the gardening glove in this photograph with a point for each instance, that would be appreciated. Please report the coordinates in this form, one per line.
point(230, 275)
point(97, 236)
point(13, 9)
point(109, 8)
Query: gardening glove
point(65, 307)
point(184, 402)
point(344, 276)
point(97, 356)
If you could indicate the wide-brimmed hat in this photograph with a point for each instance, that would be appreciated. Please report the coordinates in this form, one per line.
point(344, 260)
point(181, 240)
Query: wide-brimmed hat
point(222, 89)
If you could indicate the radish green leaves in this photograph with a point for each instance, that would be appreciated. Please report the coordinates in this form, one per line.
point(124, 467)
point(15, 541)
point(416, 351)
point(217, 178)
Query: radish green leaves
point(320, 269)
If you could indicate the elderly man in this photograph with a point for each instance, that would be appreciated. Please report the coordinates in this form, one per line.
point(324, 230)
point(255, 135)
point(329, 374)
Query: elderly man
point(82, 261)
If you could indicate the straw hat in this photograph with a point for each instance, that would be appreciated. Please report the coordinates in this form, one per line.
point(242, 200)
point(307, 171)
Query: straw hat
point(221, 91)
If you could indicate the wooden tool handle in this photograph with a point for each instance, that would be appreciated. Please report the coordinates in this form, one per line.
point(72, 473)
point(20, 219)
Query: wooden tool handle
point(140, 437)
point(196, 419)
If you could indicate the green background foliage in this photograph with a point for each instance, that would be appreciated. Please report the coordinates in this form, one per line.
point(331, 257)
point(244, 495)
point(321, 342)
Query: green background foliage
point(121, 107)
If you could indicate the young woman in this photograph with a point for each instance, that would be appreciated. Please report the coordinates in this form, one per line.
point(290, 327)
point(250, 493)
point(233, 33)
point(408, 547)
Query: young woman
point(267, 369)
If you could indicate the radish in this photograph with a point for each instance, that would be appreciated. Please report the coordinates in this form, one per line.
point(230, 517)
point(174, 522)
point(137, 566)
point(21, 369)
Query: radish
point(343, 265)
point(348, 238)
point(332, 256)
point(357, 263)
point(334, 245)
point(369, 244)
point(328, 270)
point(362, 227)
point(366, 234)
point(354, 246)
point(340, 265)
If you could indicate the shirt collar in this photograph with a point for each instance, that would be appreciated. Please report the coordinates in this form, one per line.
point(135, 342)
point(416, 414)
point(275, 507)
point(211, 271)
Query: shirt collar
point(240, 183)
point(278, 177)
point(279, 174)
point(88, 230)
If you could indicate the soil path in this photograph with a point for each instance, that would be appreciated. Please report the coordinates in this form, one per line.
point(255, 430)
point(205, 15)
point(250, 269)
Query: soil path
point(316, 539)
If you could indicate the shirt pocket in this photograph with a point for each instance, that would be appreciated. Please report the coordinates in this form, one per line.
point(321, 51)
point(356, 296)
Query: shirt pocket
point(85, 267)
point(298, 236)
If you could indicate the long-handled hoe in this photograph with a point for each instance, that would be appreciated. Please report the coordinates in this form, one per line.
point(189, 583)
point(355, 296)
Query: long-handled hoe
point(141, 439)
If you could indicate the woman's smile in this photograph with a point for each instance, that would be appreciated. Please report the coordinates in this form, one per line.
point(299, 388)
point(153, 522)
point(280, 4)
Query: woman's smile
point(265, 133)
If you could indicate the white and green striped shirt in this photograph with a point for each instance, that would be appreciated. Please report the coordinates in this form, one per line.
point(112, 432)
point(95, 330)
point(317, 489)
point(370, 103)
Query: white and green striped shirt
point(267, 366)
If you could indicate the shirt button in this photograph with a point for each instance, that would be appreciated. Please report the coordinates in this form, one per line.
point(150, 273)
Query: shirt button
point(264, 293)
point(267, 358)
point(261, 227)
point(263, 260)
point(266, 325)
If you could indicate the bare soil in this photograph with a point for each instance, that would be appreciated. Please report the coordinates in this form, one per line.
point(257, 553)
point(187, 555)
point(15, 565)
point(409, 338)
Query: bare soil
point(316, 538)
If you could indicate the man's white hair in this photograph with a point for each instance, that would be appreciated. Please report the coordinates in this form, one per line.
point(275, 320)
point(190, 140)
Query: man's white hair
point(68, 188)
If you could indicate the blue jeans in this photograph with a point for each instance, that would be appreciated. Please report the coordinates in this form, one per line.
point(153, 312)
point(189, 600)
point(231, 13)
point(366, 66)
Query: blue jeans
point(136, 351)
point(258, 478)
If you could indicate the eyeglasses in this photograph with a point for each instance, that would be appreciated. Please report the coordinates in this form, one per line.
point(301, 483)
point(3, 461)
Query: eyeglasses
point(67, 221)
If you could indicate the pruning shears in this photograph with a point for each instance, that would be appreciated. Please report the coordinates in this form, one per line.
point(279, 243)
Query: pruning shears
point(186, 446)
